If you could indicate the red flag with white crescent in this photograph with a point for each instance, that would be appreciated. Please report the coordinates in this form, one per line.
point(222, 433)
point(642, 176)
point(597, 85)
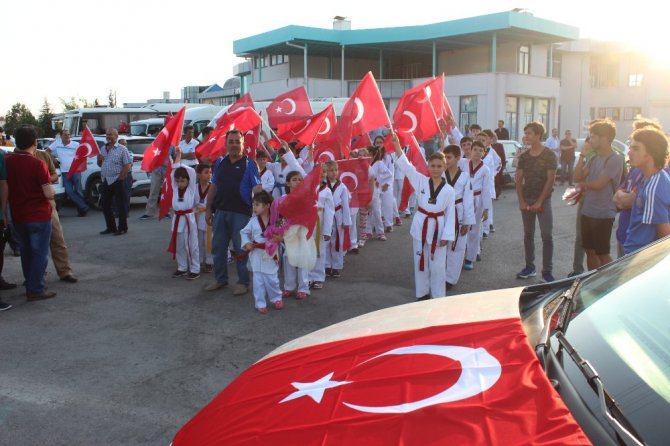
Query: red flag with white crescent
point(476, 383)
point(306, 130)
point(327, 131)
point(354, 174)
point(243, 120)
point(415, 157)
point(419, 109)
point(156, 154)
point(326, 151)
point(244, 102)
point(166, 194)
point(288, 107)
point(88, 148)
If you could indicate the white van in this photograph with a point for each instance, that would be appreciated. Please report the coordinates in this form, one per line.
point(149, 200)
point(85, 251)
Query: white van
point(198, 117)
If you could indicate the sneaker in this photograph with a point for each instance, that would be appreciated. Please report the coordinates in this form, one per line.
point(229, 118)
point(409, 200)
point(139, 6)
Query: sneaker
point(146, 217)
point(4, 285)
point(287, 293)
point(426, 297)
point(361, 243)
point(179, 274)
point(263, 310)
point(388, 229)
point(317, 285)
point(207, 268)
point(407, 214)
point(492, 229)
point(215, 286)
point(448, 286)
point(575, 273)
point(279, 305)
point(485, 235)
point(4, 306)
point(398, 221)
point(231, 259)
point(366, 236)
point(468, 266)
point(335, 273)
point(526, 273)
point(192, 276)
point(381, 238)
point(301, 296)
point(329, 271)
point(240, 289)
point(547, 277)
point(353, 251)
point(479, 257)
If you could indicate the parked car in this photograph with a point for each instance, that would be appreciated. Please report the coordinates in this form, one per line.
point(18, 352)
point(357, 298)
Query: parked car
point(617, 145)
point(512, 151)
point(578, 361)
point(91, 180)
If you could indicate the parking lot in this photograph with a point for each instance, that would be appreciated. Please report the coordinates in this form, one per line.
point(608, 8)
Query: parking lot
point(127, 355)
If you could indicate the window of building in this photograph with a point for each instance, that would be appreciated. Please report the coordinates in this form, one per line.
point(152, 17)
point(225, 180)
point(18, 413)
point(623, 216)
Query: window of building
point(261, 62)
point(526, 111)
point(604, 72)
point(468, 108)
point(630, 113)
point(613, 113)
point(511, 113)
point(524, 59)
point(635, 80)
point(278, 59)
point(542, 110)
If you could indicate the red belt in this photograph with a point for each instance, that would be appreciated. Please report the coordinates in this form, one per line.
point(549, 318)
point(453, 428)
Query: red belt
point(424, 232)
point(175, 229)
point(257, 245)
point(457, 226)
point(477, 192)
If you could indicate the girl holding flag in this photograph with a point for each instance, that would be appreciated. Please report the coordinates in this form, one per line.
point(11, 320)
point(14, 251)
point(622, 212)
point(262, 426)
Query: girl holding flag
point(433, 223)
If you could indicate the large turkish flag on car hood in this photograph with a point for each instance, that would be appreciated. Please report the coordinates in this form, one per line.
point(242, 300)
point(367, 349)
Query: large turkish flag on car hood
point(476, 383)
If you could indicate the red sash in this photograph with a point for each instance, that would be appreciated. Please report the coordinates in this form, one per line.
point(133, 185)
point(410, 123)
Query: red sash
point(172, 248)
point(424, 233)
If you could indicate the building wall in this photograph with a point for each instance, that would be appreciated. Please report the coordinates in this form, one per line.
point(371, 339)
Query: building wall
point(538, 60)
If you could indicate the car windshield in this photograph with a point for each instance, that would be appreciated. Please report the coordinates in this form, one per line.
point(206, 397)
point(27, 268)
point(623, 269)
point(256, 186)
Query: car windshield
point(138, 129)
point(138, 147)
point(621, 326)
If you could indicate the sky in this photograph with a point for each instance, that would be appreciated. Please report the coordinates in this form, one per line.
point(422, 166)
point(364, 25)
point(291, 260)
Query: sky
point(140, 48)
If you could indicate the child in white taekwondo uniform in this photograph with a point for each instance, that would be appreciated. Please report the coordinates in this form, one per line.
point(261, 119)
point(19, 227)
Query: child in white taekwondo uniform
point(433, 224)
point(265, 268)
point(326, 210)
point(481, 189)
point(266, 175)
point(204, 173)
point(184, 241)
point(296, 280)
point(335, 251)
point(382, 182)
point(494, 163)
point(465, 213)
point(280, 170)
point(386, 196)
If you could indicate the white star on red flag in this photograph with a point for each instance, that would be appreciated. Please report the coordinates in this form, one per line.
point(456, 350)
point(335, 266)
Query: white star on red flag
point(314, 390)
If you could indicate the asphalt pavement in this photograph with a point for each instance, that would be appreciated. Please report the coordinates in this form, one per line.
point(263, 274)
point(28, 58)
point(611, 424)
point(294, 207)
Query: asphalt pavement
point(128, 355)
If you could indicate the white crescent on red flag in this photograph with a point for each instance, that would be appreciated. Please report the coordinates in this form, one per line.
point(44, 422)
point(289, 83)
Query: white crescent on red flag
point(242, 103)
point(288, 107)
point(415, 158)
point(419, 109)
point(325, 152)
point(306, 130)
point(88, 148)
point(156, 154)
point(364, 112)
point(327, 131)
point(252, 140)
point(165, 203)
point(243, 120)
point(476, 383)
point(354, 175)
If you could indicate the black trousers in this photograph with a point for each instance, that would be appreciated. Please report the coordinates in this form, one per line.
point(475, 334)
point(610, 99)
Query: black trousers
point(109, 194)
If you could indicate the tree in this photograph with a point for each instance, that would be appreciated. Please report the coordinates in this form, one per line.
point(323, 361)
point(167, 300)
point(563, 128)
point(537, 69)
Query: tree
point(73, 103)
point(111, 99)
point(17, 115)
point(44, 121)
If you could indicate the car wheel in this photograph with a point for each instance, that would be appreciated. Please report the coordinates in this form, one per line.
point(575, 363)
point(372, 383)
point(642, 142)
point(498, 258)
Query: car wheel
point(93, 194)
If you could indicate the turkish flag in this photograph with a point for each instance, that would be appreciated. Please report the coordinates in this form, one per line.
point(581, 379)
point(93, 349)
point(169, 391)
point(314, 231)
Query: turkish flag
point(252, 141)
point(415, 157)
point(327, 131)
point(299, 207)
point(288, 107)
point(166, 194)
point(88, 148)
point(477, 383)
point(241, 104)
point(447, 113)
point(362, 141)
point(304, 131)
point(362, 113)
point(354, 175)
point(156, 154)
point(326, 151)
point(245, 120)
point(419, 109)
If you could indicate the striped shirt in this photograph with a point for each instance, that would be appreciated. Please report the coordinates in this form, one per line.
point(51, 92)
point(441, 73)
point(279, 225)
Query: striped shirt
point(650, 208)
point(114, 160)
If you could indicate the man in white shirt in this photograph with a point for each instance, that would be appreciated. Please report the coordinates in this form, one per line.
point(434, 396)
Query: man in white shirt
point(553, 143)
point(65, 150)
point(187, 147)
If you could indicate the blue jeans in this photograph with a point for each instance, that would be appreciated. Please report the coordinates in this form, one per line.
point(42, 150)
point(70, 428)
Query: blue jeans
point(566, 171)
point(546, 223)
point(74, 191)
point(34, 241)
point(226, 227)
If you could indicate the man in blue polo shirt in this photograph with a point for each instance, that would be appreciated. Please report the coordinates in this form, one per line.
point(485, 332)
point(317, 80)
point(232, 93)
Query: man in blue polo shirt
point(234, 179)
point(650, 216)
